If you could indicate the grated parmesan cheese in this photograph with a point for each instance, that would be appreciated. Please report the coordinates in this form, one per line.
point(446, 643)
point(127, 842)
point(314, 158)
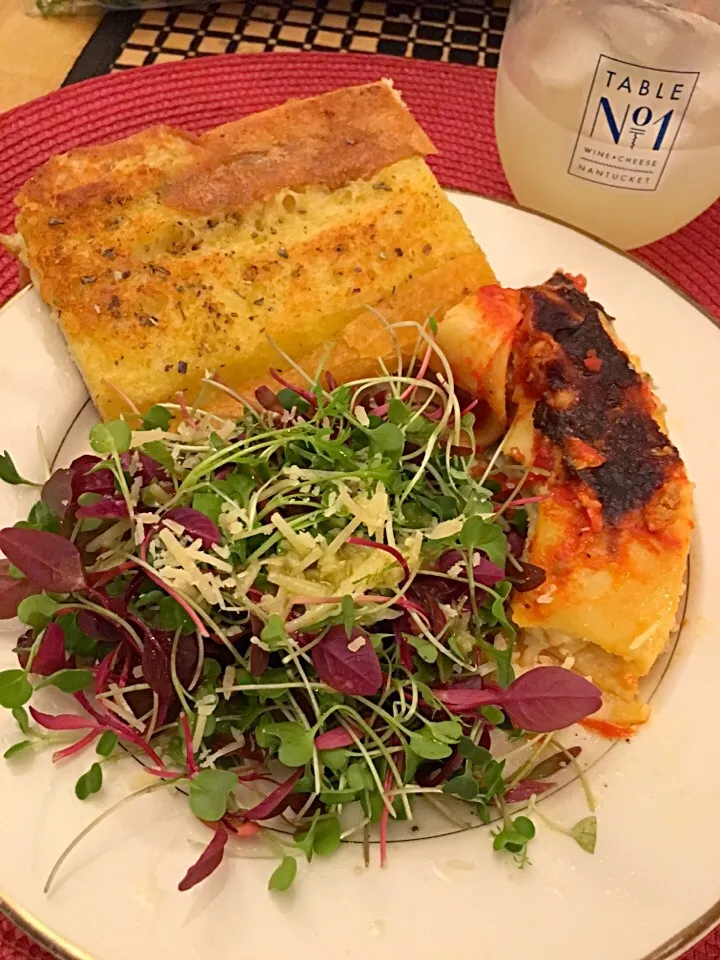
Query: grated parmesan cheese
point(335, 544)
point(109, 538)
point(448, 528)
point(138, 532)
point(205, 583)
point(200, 556)
point(296, 541)
point(362, 416)
point(177, 528)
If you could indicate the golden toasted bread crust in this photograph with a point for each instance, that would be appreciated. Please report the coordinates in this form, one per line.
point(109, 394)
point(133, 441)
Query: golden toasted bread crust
point(116, 171)
point(167, 255)
point(342, 136)
point(332, 139)
point(365, 345)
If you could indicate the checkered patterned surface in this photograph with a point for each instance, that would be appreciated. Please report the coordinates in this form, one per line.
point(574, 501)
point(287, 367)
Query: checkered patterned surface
point(441, 30)
point(455, 105)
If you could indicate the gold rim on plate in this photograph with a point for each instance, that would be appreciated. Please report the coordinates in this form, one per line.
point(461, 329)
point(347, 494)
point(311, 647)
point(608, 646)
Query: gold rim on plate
point(673, 947)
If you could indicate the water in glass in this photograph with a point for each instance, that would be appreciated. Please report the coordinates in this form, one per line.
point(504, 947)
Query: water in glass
point(607, 114)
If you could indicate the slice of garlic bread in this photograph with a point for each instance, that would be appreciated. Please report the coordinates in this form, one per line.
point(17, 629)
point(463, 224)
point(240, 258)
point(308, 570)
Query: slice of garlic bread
point(167, 255)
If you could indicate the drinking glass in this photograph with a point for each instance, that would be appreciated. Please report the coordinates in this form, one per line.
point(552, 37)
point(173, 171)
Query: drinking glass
point(607, 114)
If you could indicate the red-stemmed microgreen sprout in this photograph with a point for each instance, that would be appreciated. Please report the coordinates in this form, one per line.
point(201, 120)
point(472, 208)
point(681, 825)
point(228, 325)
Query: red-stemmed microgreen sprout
point(219, 692)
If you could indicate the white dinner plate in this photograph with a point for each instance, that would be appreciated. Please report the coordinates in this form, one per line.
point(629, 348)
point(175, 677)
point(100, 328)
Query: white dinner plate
point(653, 885)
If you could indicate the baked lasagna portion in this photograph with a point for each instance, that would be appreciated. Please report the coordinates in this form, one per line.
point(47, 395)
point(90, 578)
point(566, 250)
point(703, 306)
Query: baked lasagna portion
point(168, 255)
point(613, 530)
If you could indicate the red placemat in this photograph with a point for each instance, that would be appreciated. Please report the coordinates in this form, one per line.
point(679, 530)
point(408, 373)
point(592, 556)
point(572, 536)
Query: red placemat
point(454, 104)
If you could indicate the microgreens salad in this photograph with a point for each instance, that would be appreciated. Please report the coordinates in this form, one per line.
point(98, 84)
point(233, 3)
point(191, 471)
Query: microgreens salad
point(300, 617)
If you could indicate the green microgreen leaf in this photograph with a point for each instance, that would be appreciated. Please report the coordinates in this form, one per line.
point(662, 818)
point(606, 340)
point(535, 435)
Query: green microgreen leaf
point(22, 719)
point(17, 748)
point(88, 499)
point(464, 786)
point(157, 451)
point(553, 764)
point(428, 748)
point(503, 661)
point(433, 325)
point(428, 651)
point(492, 779)
point(327, 836)
point(84, 646)
point(211, 671)
point(115, 436)
point(494, 544)
point(387, 440)
point(43, 517)
point(284, 875)
point(376, 639)
point(331, 797)
point(264, 736)
point(497, 608)
point(446, 731)
point(359, 777)
point(89, 783)
point(505, 671)
point(399, 412)
point(415, 516)
point(337, 759)
point(209, 793)
point(585, 833)
point(373, 805)
point(305, 839)
point(493, 715)
point(238, 485)
point(289, 399)
point(15, 688)
point(273, 633)
point(347, 608)
point(69, 681)
point(471, 532)
point(176, 751)
point(37, 611)
point(172, 616)
point(295, 742)
point(478, 756)
point(106, 744)
point(485, 535)
point(76, 641)
point(518, 520)
point(157, 418)
point(8, 471)
point(420, 429)
point(89, 524)
point(208, 503)
point(514, 837)
point(442, 506)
